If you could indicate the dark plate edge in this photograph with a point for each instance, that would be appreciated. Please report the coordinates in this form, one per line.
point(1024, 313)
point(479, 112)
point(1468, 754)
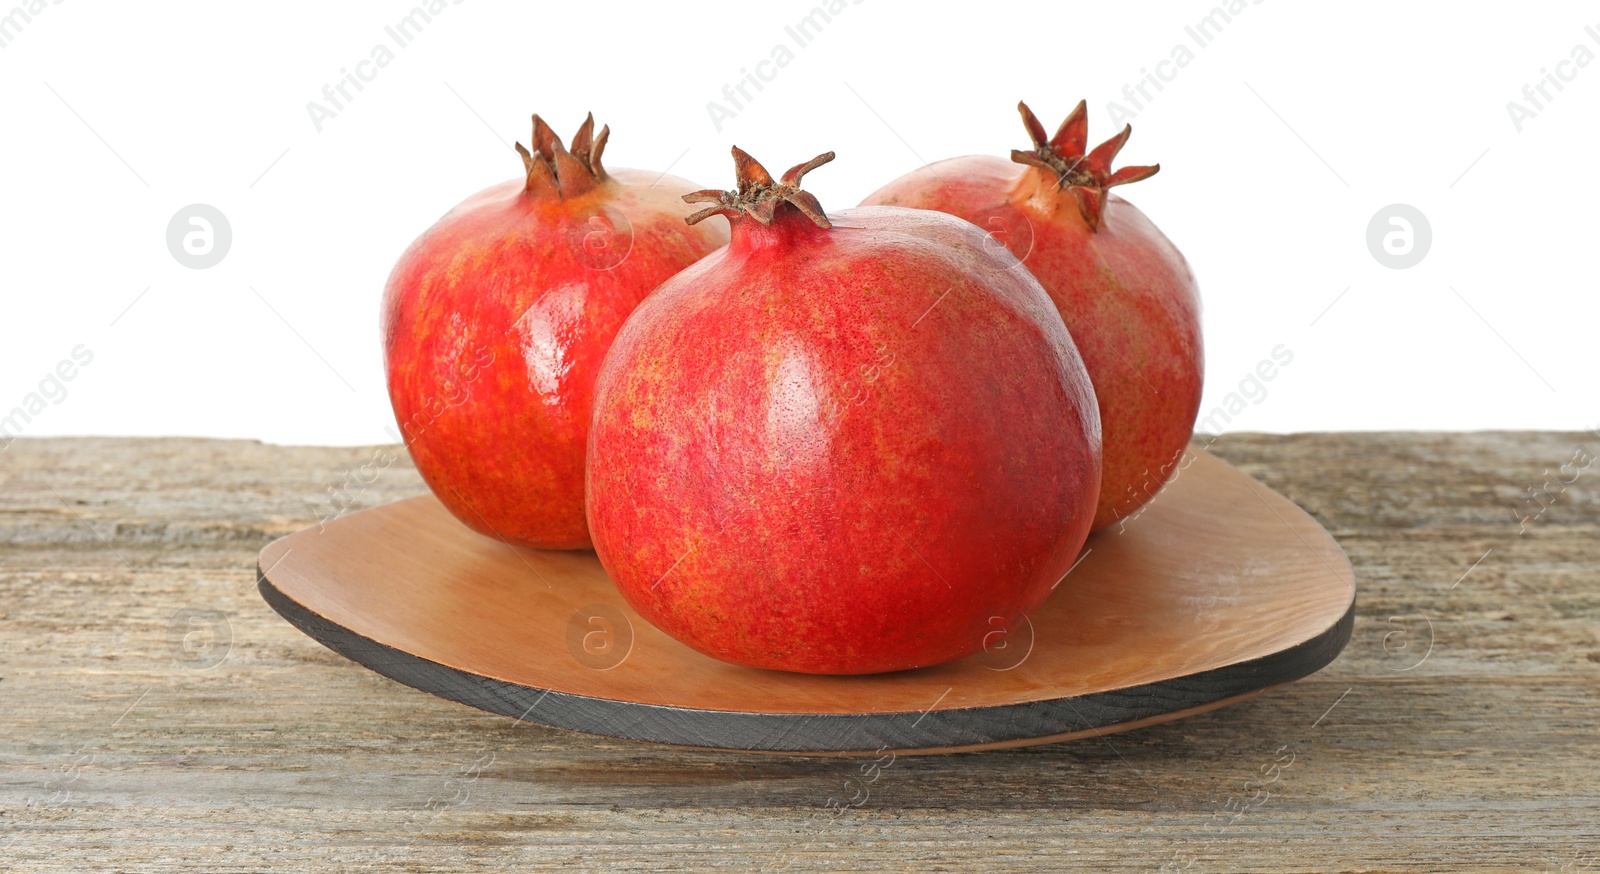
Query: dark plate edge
point(820, 732)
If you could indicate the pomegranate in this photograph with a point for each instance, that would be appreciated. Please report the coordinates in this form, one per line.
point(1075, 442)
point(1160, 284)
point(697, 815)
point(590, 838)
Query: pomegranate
point(496, 320)
point(1122, 288)
point(843, 444)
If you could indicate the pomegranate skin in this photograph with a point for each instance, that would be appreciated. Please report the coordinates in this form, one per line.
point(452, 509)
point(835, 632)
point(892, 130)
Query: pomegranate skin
point(843, 451)
point(495, 323)
point(1123, 290)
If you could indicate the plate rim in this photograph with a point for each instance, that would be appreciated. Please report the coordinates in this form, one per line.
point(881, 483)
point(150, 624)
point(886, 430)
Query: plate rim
point(1012, 724)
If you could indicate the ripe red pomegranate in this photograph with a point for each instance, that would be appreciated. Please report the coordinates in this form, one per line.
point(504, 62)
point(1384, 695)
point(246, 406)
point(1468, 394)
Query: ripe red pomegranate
point(843, 444)
point(1123, 289)
point(496, 320)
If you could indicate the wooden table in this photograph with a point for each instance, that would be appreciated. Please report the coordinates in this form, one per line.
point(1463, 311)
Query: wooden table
point(155, 715)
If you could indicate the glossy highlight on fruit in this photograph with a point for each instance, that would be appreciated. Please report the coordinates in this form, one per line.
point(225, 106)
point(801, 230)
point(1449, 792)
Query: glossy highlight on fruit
point(496, 320)
point(847, 443)
point(1123, 289)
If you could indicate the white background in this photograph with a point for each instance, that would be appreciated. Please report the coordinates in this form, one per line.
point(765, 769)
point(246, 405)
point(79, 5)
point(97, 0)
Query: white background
point(1277, 143)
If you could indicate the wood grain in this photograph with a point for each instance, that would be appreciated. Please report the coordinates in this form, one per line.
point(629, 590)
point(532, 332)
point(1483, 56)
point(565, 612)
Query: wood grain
point(1219, 589)
point(137, 737)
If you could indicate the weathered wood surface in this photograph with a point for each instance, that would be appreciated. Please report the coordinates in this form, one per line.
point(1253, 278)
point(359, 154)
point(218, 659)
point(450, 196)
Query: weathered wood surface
point(136, 736)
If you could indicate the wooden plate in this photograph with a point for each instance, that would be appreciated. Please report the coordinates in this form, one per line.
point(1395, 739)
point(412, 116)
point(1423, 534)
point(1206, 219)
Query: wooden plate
point(1220, 590)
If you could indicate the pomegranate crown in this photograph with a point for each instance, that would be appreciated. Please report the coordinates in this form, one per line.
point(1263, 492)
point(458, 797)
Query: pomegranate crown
point(553, 170)
point(758, 196)
point(1085, 176)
